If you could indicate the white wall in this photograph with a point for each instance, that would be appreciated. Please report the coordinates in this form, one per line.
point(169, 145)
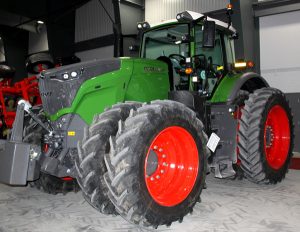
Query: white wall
point(2, 51)
point(280, 50)
point(38, 42)
point(159, 10)
point(98, 53)
point(129, 18)
point(91, 21)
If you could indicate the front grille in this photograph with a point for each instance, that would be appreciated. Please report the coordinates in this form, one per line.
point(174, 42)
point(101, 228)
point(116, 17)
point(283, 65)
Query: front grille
point(57, 93)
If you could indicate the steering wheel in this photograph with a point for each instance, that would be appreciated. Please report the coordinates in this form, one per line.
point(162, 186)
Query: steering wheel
point(201, 65)
point(177, 57)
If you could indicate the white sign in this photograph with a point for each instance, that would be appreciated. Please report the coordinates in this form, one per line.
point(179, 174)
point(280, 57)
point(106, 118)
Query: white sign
point(213, 142)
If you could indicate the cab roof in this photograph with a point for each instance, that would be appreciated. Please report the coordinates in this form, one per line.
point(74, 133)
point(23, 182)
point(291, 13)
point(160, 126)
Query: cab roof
point(194, 16)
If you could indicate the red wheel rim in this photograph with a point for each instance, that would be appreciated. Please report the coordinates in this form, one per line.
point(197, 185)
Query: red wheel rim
point(277, 137)
point(171, 166)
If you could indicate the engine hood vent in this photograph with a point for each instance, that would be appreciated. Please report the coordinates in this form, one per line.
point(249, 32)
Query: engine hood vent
point(59, 86)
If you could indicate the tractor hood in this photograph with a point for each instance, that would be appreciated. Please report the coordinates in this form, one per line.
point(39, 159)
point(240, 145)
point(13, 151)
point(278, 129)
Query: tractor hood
point(59, 86)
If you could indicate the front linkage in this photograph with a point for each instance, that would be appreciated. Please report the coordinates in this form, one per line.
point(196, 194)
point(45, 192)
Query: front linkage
point(23, 162)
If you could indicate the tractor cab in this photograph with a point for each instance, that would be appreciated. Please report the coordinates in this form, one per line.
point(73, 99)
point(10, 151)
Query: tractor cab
point(197, 49)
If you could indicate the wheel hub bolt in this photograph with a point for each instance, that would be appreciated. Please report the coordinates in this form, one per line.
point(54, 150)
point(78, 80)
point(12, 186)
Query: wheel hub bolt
point(157, 177)
point(164, 164)
point(160, 150)
point(164, 156)
point(162, 171)
point(155, 147)
point(152, 179)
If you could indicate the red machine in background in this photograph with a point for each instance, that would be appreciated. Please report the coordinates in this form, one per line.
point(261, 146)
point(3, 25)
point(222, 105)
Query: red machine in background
point(27, 89)
point(10, 94)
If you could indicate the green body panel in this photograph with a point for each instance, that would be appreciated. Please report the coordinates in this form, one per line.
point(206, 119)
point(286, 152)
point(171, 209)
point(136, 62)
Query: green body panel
point(224, 88)
point(138, 80)
point(149, 81)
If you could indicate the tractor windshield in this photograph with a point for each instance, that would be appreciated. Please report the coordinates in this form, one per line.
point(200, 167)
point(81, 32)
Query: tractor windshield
point(165, 42)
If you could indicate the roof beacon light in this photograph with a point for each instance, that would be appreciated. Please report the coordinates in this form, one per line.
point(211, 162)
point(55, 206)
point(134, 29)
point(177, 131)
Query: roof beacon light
point(229, 13)
point(229, 7)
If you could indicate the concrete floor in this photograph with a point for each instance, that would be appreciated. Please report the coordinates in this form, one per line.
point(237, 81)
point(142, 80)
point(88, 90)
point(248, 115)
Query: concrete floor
point(226, 206)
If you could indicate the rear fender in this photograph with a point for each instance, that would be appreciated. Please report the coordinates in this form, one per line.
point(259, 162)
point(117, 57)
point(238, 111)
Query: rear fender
point(231, 84)
point(248, 82)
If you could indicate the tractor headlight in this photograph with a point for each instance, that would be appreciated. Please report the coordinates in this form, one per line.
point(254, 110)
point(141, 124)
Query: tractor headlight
point(143, 26)
point(180, 17)
point(184, 17)
point(65, 76)
point(70, 75)
point(73, 74)
point(140, 26)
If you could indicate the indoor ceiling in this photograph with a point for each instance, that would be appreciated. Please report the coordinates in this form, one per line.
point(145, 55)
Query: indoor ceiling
point(14, 12)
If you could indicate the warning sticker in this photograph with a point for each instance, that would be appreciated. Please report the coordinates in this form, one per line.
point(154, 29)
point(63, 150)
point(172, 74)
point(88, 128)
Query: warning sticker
point(71, 133)
point(213, 142)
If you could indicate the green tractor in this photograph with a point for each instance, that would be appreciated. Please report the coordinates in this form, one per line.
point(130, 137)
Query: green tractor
point(132, 132)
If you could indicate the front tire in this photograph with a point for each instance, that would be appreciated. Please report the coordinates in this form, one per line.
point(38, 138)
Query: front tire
point(157, 164)
point(266, 136)
point(90, 160)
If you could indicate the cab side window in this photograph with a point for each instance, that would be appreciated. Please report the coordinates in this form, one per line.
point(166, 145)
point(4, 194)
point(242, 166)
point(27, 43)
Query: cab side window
point(216, 53)
point(209, 62)
point(229, 46)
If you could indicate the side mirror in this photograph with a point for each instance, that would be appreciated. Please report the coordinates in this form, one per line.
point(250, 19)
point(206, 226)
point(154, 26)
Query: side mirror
point(209, 34)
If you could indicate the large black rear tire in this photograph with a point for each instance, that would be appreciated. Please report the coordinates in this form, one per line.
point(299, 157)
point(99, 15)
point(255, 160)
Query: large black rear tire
point(239, 102)
point(266, 136)
point(90, 160)
point(132, 164)
point(43, 59)
point(32, 133)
